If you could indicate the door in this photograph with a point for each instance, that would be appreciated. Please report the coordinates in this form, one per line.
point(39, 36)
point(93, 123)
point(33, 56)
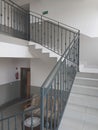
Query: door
point(25, 83)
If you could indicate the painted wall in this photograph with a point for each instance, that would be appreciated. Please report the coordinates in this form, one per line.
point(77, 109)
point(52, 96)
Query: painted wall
point(9, 90)
point(14, 51)
point(40, 70)
point(77, 13)
point(88, 54)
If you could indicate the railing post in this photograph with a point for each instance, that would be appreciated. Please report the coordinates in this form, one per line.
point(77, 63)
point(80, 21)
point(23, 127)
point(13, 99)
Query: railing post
point(41, 29)
point(0, 11)
point(2, 120)
point(42, 108)
point(78, 48)
point(28, 26)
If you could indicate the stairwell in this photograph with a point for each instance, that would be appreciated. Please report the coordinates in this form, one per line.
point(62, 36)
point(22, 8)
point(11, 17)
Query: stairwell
point(81, 112)
point(56, 40)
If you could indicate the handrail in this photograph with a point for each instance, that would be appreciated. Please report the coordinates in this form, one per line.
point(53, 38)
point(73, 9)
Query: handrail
point(13, 3)
point(14, 20)
point(58, 84)
point(56, 67)
point(42, 16)
point(56, 36)
point(50, 33)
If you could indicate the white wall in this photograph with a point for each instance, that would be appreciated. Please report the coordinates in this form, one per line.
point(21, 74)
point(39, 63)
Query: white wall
point(8, 90)
point(40, 70)
point(88, 54)
point(82, 14)
point(14, 51)
point(8, 68)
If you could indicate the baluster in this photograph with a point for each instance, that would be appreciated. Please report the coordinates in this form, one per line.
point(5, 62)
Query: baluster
point(35, 28)
point(47, 109)
point(31, 28)
point(51, 36)
point(54, 39)
point(23, 119)
point(11, 17)
point(61, 41)
point(1, 12)
point(32, 120)
point(51, 106)
point(8, 123)
point(55, 97)
point(42, 108)
point(58, 39)
point(47, 33)
point(44, 33)
point(4, 14)
point(38, 31)
point(15, 122)
point(8, 19)
point(2, 121)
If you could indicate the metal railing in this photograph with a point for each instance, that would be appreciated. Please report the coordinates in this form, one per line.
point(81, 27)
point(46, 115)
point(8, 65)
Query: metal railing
point(18, 22)
point(17, 119)
point(56, 36)
point(54, 95)
point(14, 20)
point(50, 33)
point(56, 88)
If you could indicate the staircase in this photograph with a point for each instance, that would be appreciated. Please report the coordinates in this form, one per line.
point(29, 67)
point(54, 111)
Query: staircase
point(39, 51)
point(47, 38)
point(81, 112)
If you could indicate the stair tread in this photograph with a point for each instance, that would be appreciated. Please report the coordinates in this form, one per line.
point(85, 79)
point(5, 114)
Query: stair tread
point(85, 86)
point(72, 124)
point(87, 75)
point(86, 82)
point(81, 108)
point(81, 112)
point(85, 100)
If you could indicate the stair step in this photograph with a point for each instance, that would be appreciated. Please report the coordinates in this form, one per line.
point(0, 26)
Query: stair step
point(81, 113)
point(86, 82)
point(84, 100)
point(37, 46)
point(87, 75)
point(72, 124)
point(85, 90)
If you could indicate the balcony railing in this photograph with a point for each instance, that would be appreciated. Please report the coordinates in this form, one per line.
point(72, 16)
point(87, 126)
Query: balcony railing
point(13, 19)
point(50, 33)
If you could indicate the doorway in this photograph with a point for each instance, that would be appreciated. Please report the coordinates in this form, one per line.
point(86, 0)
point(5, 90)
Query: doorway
point(25, 83)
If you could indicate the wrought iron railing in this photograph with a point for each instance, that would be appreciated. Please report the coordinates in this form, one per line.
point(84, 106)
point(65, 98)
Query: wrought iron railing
point(18, 22)
point(50, 33)
point(53, 95)
point(58, 37)
point(14, 20)
point(56, 88)
point(17, 119)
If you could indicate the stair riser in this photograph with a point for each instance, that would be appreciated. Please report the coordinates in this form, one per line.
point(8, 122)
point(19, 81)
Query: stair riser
point(83, 100)
point(86, 82)
point(87, 75)
point(91, 91)
point(81, 116)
